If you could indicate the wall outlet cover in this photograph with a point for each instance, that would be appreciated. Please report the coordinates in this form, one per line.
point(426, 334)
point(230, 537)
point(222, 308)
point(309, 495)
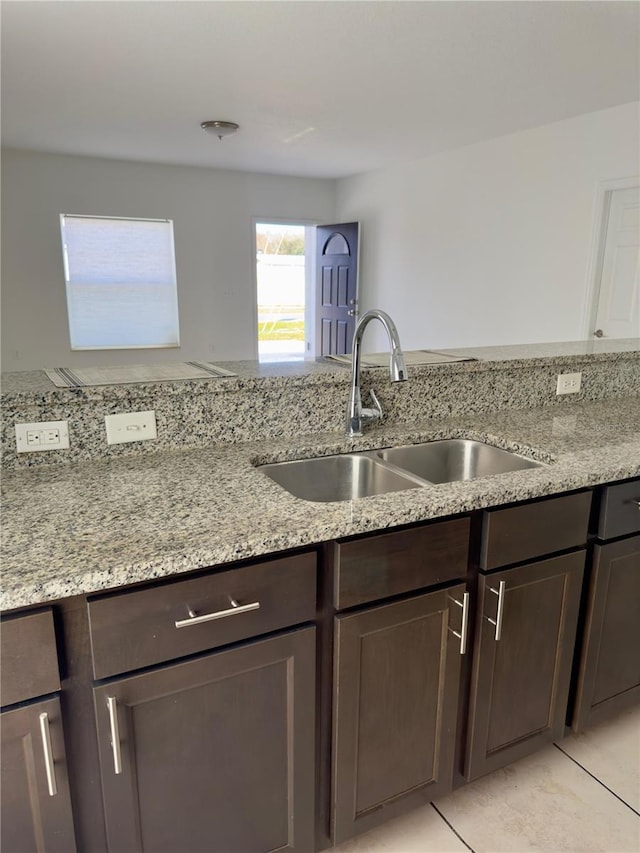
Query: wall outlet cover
point(42, 435)
point(568, 383)
point(130, 426)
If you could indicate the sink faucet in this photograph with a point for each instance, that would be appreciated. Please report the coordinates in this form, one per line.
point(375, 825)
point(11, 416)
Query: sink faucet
point(357, 416)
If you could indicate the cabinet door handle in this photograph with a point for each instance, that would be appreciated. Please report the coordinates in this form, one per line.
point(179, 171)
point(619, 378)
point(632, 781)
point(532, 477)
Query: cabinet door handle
point(48, 754)
point(498, 620)
point(194, 619)
point(636, 502)
point(112, 706)
point(462, 634)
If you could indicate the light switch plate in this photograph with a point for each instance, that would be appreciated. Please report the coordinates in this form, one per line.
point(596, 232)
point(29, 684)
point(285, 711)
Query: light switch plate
point(42, 435)
point(130, 426)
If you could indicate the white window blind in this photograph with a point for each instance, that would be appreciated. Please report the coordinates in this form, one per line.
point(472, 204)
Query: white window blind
point(121, 282)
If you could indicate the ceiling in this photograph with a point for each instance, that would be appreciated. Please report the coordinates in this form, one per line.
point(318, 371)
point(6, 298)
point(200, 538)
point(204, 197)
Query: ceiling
point(322, 89)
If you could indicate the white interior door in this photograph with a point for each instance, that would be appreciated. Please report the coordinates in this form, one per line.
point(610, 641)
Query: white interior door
point(618, 308)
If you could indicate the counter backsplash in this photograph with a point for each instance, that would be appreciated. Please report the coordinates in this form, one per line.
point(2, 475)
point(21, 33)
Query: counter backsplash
point(290, 400)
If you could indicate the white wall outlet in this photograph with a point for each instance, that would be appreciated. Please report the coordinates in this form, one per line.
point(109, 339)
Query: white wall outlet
point(45, 435)
point(568, 383)
point(130, 426)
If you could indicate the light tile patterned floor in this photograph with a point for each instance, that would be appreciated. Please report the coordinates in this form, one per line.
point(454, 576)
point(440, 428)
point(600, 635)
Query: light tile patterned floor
point(581, 795)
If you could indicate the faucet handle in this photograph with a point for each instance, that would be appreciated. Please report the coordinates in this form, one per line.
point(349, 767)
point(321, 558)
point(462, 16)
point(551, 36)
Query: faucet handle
point(374, 414)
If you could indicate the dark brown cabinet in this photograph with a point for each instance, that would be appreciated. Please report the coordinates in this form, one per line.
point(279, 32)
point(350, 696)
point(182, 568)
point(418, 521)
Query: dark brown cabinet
point(396, 692)
point(524, 645)
point(609, 677)
point(204, 750)
point(212, 754)
point(396, 672)
point(36, 804)
point(268, 706)
point(532, 530)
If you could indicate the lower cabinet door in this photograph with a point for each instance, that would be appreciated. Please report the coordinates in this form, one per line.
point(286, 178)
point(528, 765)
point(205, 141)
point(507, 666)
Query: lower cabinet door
point(36, 805)
point(609, 679)
point(396, 681)
point(214, 753)
point(525, 639)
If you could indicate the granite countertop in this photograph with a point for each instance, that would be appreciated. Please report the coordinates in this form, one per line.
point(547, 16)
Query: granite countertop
point(27, 385)
point(81, 528)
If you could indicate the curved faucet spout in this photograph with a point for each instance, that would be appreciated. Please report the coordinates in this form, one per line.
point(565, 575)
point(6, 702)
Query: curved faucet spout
point(357, 416)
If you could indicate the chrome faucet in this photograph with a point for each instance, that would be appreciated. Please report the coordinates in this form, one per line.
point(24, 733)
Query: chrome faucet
point(357, 416)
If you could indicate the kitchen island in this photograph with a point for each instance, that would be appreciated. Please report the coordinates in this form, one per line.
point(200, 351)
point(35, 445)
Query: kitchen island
point(219, 663)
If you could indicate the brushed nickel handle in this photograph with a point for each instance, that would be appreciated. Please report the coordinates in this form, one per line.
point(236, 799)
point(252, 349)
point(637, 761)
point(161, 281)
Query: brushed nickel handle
point(48, 754)
point(462, 634)
point(498, 620)
point(636, 502)
point(194, 619)
point(115, 734)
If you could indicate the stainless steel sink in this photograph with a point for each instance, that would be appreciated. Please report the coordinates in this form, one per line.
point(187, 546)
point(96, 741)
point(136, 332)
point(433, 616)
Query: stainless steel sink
point(454, 459)
point(375, 472)
point(337, 478)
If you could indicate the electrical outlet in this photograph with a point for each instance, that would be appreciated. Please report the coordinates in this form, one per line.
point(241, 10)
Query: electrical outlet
point(130, 426)
point(568, 383)
point(45, 435)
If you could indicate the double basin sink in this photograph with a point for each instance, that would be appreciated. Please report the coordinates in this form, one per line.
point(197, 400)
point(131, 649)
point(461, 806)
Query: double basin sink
point(375, 472)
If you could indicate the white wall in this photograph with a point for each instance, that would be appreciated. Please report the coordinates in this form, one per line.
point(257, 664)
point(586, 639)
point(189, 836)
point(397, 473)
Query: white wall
point(489, 244)
point(213, 214)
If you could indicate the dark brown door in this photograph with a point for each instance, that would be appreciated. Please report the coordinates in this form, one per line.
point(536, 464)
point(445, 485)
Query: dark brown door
point(396, 679)
point(520, 683)
point(336, 287)
point(609, 679)
point(36, 808)
point(217, 753)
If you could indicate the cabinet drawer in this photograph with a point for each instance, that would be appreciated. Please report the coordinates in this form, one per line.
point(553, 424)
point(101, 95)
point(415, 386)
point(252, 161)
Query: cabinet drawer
point(135, 629)
point(531, 530)
point(392, 563)
point(29, 657)
point(620, 510)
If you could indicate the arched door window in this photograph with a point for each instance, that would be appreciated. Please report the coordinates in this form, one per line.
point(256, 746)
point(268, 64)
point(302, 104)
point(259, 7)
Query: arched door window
point(336, 245)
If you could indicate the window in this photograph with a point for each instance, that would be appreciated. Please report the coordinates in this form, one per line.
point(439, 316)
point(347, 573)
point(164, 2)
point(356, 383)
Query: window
point(120, 278)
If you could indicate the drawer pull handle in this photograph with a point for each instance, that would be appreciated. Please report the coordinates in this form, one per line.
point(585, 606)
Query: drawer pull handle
point(115, 734)
point(636, 502)
point(498, 620)
point(48, 754)
point(462, 635)
point(194, 619)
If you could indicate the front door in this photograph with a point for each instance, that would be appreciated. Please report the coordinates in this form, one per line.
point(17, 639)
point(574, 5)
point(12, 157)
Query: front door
point(336, 287)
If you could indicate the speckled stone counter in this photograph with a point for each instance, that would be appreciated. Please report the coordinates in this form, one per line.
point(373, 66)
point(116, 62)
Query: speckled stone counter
point(263, 402)
point(80, 528)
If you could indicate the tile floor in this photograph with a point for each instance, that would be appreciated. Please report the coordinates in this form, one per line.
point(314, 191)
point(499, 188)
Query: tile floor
point(581, 795)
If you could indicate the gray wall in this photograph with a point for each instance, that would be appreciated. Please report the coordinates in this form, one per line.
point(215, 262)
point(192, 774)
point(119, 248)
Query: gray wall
point(213, 213)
